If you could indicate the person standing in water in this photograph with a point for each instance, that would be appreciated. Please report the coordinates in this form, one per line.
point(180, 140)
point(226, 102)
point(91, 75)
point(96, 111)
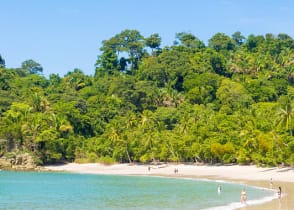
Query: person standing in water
point(219, 189)
point(280, 193)
point(243, 197)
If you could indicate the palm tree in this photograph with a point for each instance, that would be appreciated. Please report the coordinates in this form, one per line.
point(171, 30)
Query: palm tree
point(39, 103)
point(285, 116)
point(117, 138)
point(147, 120)
point(30, 132)
point(286, 58)
point(149, 144)
point(131, 121)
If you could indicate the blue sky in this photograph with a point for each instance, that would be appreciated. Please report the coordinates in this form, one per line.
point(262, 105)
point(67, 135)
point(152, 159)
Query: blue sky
point(65, 34)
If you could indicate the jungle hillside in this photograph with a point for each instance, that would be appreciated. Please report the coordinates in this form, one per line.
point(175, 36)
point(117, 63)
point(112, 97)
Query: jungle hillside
point(229, 100)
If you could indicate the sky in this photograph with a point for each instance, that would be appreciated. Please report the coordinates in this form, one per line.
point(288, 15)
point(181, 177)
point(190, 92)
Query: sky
point(62, 35)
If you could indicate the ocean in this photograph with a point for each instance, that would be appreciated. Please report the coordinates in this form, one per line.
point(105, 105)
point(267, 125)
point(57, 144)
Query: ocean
point(56, 190)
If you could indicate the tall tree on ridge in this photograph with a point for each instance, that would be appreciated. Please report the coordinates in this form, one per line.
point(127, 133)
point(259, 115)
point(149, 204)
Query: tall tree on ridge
point(2, 62)
point(238, 38)
point(188, 40)
point(221, 41)
point(153, 41)
point(32, 66)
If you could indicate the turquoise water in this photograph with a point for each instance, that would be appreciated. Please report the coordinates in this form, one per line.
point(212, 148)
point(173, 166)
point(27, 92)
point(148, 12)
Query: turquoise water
point(46, 190)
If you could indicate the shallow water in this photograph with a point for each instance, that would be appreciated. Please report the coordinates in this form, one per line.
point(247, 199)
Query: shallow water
point(48, 190)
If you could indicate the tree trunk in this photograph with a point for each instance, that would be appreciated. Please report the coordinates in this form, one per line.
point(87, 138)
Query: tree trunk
point(128, 154)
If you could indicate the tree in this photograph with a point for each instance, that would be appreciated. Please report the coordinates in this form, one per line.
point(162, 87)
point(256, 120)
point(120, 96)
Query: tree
point(201, 88)
point(229, 102)
point(107, 63)
point(232, 96)
point(188, 40)
point(153, 41)
point(286, 40)
point(32, 67)
point(253, 42)
point(147, 120)
point(175, 65)
point(77, 79)
point(238, 38)
point(6, 76)
point(2, 62)
point(54, 79)
point(132, 43)
point(31, 129)
point(12, 123)
point(128, 41)
point(285, 115)
point(261, 90)
point(220, 41)
point(218, 63)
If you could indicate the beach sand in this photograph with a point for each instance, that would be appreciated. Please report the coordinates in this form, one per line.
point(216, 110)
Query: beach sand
point(250, 175)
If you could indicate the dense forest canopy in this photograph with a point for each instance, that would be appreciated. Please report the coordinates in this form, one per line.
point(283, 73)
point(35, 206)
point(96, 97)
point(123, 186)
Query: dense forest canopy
point(228, 102)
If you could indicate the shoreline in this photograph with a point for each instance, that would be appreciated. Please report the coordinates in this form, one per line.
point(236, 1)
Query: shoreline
point(250, 175)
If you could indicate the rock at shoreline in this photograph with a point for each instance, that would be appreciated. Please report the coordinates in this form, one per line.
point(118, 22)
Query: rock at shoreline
point(22, 161)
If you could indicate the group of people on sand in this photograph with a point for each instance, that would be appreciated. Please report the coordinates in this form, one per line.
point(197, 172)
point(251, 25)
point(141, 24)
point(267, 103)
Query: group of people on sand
point(176, 170)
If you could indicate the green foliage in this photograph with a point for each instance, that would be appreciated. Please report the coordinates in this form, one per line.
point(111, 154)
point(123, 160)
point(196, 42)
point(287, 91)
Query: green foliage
point(188, 40)
point(201, 89)
point(253, 42)
point(261, 90)
point(238, 38)
point(153, 42)
point(220, 41)
point(230, 102)
point(2, 62)
point(32, 67)
point(232, 96)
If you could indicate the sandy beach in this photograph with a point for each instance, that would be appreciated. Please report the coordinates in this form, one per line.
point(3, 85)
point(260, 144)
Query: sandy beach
point(251, 175)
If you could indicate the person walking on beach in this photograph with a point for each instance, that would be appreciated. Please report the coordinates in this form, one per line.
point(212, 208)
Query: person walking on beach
point(176, 170)
point(271, 183)
point(243, 197)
